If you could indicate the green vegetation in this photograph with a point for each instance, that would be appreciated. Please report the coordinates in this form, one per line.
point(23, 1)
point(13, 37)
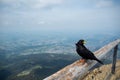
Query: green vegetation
point(27, 72)
point(34, 66)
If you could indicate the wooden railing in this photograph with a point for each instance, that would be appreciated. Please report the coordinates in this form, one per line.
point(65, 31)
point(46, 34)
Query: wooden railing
point(77, 70)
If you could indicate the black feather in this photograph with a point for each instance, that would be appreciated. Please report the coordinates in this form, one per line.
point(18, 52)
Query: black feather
point(84, 52)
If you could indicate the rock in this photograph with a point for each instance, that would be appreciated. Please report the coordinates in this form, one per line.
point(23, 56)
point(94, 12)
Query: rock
point(103, 73)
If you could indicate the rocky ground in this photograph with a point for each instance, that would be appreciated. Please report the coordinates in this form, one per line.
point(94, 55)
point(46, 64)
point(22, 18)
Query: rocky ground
point(104, 73)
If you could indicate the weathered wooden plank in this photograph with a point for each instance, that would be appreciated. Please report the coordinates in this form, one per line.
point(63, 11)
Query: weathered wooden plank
point(114, 59)
point(78, 69)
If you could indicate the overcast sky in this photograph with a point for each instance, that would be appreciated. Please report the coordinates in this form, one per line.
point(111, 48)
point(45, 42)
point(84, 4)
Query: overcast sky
point(60, 15)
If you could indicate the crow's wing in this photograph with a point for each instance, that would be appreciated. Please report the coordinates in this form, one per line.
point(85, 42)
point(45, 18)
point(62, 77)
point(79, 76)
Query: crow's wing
point(88, 54)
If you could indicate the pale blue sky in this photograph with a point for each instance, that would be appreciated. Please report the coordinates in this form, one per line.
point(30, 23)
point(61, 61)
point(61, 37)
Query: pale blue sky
point(60, 15)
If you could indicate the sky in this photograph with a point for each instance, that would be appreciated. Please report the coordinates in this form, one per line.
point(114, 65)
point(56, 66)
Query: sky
point(60, 15)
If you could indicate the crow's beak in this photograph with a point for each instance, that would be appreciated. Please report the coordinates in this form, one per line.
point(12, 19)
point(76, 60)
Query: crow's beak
point(84, 42)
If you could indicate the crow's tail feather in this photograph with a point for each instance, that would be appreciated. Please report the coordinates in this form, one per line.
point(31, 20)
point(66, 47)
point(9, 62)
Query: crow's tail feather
point(99, 61)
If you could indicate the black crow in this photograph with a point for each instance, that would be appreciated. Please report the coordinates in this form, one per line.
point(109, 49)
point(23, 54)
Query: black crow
point(84, 52)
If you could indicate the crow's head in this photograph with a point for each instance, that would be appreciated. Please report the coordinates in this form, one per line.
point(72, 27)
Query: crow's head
point(81, 42)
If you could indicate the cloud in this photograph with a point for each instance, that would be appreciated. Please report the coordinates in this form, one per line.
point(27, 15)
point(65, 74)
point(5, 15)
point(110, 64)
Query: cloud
point(30, 3)
point(68, 13)
point(104, 3)
point(46, 3)
point(41, 22)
